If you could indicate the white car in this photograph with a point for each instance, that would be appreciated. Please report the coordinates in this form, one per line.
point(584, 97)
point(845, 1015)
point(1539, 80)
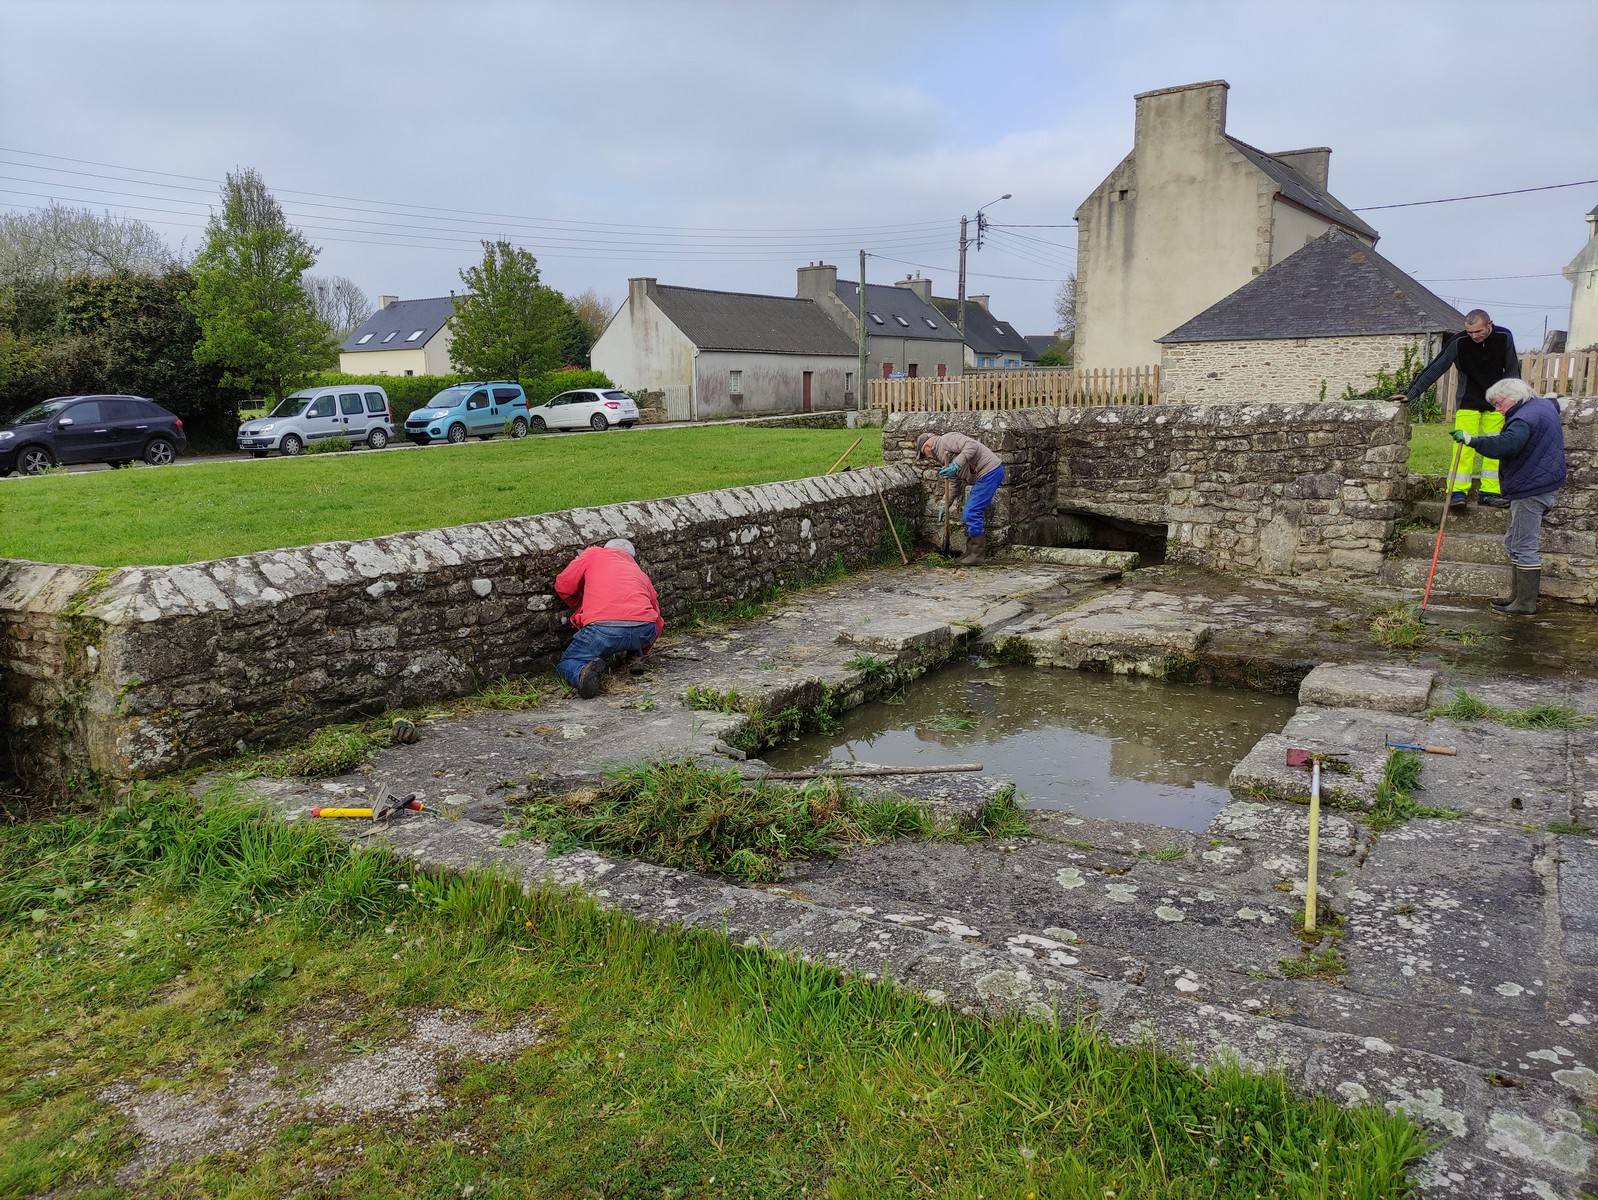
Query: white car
point(597, 408)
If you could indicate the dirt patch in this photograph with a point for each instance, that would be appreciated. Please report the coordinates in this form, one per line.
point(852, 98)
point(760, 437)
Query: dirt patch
point(321, 1075)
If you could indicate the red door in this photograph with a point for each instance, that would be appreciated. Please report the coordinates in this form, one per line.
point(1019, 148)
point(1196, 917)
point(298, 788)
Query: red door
point(807, 390)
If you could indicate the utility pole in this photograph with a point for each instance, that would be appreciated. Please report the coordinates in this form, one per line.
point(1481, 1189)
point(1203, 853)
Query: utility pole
point(860, 395)
point(964, 242)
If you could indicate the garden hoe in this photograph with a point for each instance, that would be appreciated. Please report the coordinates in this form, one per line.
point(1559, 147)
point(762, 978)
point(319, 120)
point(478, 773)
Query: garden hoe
point(1392, 745)
point(1297, 758)
point(1448, 496)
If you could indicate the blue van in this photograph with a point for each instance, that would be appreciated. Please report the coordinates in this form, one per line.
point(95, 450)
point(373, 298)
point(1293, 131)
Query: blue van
point(478, 410)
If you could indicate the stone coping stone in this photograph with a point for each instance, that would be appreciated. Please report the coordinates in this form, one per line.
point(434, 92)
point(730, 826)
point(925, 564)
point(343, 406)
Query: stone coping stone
point(1072, 556)
point(1391, 689)
point(894, 635)
point(1169, 632)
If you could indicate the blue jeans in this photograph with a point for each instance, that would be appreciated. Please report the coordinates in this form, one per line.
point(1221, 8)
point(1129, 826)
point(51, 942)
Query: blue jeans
point(1526, 527)
point(978, 499)
point(601, 640)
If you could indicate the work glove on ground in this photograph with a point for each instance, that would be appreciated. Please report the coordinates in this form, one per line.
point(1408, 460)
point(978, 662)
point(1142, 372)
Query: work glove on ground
point(943, 513)
point(1460, 436)
point(950, 471)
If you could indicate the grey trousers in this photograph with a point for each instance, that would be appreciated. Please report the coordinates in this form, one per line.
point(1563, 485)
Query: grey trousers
point(1526, 527)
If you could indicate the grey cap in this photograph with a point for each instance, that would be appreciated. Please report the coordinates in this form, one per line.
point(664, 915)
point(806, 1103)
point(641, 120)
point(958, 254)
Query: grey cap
point(923, 440)
point(623, 545)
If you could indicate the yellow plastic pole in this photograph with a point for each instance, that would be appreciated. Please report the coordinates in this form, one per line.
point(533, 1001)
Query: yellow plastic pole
point(1314, 843)
point(341, 812)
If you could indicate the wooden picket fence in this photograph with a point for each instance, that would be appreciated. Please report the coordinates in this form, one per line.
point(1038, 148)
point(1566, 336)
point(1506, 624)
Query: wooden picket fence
point(1036, 387)
point(1573, 374)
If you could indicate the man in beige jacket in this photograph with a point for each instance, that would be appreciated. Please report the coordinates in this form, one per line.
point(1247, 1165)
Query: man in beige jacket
point(976, 471)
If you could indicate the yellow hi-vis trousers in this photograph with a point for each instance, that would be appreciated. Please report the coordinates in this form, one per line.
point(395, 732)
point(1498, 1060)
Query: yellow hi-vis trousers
point(1471, 464)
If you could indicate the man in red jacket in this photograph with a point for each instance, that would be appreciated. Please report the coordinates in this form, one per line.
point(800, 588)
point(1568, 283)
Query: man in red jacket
point(617, 612)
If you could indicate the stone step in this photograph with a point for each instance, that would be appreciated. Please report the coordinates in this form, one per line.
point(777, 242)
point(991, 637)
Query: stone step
point(1455, 579)
point(1473, 518)
point(1457, 547)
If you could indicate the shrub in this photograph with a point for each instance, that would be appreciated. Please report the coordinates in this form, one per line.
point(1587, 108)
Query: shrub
point(329, 445)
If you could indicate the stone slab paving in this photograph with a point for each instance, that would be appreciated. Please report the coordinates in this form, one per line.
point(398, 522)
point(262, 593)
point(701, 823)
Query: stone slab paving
point(1463, 987)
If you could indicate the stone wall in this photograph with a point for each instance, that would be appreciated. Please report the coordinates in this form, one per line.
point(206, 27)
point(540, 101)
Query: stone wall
point(140, 670)
point(1277, 489)
point(1290, 369)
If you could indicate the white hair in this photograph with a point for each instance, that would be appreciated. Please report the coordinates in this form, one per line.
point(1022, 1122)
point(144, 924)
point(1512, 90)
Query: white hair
point(1513, 390)
point(623, 545)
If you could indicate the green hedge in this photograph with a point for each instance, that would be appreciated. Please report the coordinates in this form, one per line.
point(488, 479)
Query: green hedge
point(406, 393)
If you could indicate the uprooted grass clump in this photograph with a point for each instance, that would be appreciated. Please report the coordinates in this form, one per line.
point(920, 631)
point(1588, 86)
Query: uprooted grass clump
point(1395, 800)
point(166, 941)
point(684, 815)
point(1465, 707)
point(1398, 627)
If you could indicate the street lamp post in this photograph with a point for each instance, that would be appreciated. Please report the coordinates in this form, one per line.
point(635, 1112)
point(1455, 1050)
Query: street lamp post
point(964, 242)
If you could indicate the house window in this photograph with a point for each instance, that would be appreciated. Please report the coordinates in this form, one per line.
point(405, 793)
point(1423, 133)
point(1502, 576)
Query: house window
point(418, 333)
point(848, 381)
point(389, 337)
point(363, 339)
point(876, 318)
point(407, 372)
point(887, 370)
point(735, 383)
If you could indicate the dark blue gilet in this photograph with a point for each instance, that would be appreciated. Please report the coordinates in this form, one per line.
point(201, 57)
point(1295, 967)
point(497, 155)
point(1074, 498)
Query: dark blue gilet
point(1541, 468)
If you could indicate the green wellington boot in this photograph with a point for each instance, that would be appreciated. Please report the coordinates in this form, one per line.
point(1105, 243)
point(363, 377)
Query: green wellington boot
point(975, 550)
point(1527, 582)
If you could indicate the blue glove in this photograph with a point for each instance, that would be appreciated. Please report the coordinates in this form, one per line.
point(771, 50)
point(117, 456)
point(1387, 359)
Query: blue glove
point(1460, 436)
point(950, 471)
point(943, 512)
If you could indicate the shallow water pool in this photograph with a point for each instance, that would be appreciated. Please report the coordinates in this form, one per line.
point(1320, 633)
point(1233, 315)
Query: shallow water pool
point(1094, 745)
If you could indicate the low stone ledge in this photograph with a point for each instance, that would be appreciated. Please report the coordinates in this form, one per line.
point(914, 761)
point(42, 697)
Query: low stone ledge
point(1383, 688)
point(1072, 556)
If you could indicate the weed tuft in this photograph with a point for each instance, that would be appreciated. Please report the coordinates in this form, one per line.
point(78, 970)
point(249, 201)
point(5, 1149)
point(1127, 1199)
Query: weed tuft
point(1465, 707)
point(1395, 803)
point(1398, 627)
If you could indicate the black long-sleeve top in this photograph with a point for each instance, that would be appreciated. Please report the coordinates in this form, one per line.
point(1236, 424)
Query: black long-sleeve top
point(1481, 364)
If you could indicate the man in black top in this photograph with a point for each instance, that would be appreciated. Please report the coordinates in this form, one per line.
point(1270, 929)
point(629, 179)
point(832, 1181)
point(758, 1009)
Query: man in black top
point(1484, 354)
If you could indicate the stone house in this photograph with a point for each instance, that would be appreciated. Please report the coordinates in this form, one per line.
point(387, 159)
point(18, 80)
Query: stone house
point(1189, 216)
point(403, 337)
point(719, 354)
point(1329, 315)
point(906, 335)
point(1582, 272)
point(989, 342)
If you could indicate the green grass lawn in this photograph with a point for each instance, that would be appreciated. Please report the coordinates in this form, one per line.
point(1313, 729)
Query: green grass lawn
point(175, 947)
point(203, 511)
point(1431, 450)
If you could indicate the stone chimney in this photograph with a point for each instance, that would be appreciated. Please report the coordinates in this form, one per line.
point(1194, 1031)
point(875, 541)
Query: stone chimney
point(982, 301)
point(385, 301)
point(817, 280)
point(921, 287)
point(1312, 163)
point(1194, 113)
point(638, 289)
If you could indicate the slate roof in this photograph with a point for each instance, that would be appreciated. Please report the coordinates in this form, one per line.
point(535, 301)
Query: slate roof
point(742, 321)
point(1335, 286)
point(1041, 342)
point(402, 318)
point(984, 332)
point(902, 313)
point(1301, 191)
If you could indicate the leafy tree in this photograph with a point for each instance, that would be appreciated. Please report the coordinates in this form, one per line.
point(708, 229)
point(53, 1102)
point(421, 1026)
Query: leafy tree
point(339, 302)
point(508, 324)
point(58, 241)
point(1065, 310)
point(594, 311)
point(255, 318)
point(1055, 354)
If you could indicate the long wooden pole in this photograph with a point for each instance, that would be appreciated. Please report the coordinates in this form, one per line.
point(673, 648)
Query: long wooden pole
point(845, 454)
point(892, 528)
point(863, 771)
point(948, 498)
point(1448, 498)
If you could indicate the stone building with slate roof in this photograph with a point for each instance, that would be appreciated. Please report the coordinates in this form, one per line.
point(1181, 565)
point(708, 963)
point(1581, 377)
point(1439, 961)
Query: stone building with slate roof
point(724, 353)
point(403, 337)
point(906, 335)
point(1189, 216)
point(1332, 313)
point(1582, 272)
point(989, 342)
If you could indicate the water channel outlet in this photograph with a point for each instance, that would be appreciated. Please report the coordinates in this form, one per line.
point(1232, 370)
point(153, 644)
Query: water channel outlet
point(1092, 744)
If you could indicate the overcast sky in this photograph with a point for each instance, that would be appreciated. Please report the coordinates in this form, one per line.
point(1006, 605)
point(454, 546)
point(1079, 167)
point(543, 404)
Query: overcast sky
point(724, 144)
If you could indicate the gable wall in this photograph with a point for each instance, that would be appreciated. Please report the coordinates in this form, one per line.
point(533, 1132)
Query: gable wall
point(641, 350)
point(772, 383)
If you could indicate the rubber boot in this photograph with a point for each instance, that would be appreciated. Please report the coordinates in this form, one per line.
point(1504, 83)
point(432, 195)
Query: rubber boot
point(1509, 599)
point(588, 678)
point(975, 550)
point(1527, 582)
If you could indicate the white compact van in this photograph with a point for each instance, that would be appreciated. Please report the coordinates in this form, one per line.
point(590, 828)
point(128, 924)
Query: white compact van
point(358, 411)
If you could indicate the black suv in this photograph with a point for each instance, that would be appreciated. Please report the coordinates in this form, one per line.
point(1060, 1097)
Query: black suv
point(86, 429)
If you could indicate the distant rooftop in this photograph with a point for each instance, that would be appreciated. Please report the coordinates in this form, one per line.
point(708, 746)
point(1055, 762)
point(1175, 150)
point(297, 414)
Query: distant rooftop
point(745, 321)
point(403, 325)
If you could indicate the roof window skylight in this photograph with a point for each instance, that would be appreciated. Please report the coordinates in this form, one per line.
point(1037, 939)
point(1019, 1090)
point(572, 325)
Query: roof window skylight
point(390, 336)
point(876, 318)
point(416, 334)
point(364, 338)
point(901, 320)
point(931, 324)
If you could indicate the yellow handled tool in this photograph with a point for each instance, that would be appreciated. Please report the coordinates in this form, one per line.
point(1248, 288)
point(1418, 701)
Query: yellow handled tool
point(380, 811)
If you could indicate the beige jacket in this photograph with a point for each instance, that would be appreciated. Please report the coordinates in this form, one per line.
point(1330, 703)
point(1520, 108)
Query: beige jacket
point(975, 459)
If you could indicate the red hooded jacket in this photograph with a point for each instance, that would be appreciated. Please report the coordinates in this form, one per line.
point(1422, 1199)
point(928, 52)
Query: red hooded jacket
point(607, 585)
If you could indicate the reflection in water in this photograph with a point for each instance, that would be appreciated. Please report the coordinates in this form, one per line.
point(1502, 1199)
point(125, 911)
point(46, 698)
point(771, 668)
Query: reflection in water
point(1096, 745)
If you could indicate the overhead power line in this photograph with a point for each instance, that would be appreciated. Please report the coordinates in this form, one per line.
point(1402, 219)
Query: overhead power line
point(1479, 196)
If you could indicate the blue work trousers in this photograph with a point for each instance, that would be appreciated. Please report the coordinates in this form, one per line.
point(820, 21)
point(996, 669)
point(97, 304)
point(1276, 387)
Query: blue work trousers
point(601, 640)
point(978, 499)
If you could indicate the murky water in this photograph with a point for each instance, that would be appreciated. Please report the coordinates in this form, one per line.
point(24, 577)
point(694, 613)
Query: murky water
point(1095, 745)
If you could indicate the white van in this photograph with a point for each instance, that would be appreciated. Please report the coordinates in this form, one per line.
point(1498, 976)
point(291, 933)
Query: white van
point(358, 411)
